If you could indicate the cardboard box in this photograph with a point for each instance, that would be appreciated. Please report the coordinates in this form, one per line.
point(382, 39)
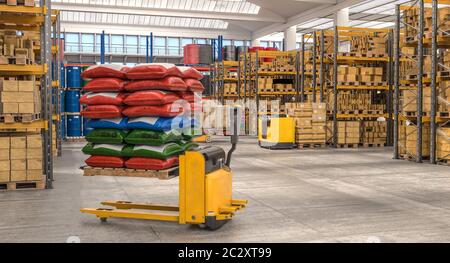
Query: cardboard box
point(35, 175)
point(8, 96)
point(18, 165)
point(9, 85)
point(18, 154)
point(26, 107)
point(3, 59)
point(5, 166)
point(4, 143)
point(34, 164)
point(9, 107)
point(11, 2)
point(18, 142)
point(4, 154)
point(26, 85)
point(18, 176)
point(34, 153)
point(4, 176)
point(34, 141)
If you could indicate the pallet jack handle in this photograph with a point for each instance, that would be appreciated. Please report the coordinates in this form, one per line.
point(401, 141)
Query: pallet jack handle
point(234, 136)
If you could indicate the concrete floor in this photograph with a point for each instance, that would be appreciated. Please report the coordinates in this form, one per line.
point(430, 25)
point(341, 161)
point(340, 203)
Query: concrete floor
point(324, 195)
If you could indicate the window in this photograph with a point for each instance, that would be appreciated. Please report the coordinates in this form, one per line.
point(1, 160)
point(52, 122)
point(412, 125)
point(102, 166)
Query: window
point(87, 43)
point(200, 41)
point(173, 46)
point(143, 44)
point(117, 44)
point(298, 45)
point(72, 42)
point(249, 43)
point(186, 41)
point(98, 42)
point(265, 43)
point(159, 46)
point(131, 44)
point(239, 43)
point(278, 44)
point(226, 42)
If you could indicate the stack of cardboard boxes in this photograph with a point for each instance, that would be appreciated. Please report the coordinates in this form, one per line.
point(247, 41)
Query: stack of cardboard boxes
point(19, 96)
point(374, 132)
point(21, 158)
point(408, 140)
point(310, 122)
point(230, 88)
point(411, 17)
point(16, 48)
point(360, 74)
point(265, 84)
point(443, 145)
point(360, 100)
point(369, 45)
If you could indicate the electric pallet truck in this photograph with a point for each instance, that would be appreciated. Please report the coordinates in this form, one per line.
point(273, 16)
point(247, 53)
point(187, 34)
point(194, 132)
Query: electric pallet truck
point(205, 192)
point(276, 132)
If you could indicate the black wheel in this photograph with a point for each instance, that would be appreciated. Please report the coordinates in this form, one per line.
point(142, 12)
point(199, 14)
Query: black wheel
point(103, 219)
point(213, 224)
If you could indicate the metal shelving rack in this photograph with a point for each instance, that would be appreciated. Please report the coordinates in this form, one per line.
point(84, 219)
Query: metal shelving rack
point(303, 90)
point(56, 82)
point(440, 40)
point(35, 19)
point(337, 58)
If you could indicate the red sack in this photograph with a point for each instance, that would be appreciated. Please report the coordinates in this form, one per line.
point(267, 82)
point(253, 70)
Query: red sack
point(105, 71)
point(153, 111)
point(153, 71)
point(151, 97)
point(151, 163)
point(194, 85)
point(104, 85)
point(190, 73)
point(190, 96)
point(169, 83)
point(105, 161)
point(103, 98)
point(102, 112)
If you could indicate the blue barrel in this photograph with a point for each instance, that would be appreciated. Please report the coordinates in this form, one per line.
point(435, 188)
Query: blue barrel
point(73, 126)
point(62, 126)
point(62, 81)
point(86, 130)
point(72, 98)
point(73, 77)
point(63, 101)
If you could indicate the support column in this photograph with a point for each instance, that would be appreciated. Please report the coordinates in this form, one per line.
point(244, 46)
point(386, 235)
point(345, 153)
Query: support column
point(342, 18)
point(290, 38)
point(256, 42)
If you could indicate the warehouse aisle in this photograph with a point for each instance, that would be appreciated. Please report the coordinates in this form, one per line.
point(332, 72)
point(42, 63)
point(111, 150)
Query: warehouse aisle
point(343, 195)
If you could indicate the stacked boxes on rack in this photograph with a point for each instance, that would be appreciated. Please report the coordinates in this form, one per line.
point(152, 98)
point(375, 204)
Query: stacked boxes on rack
point(374, 132)
point(408, 139)
point(230, 88)
point(360, 74)
point(411, 17)
point(349, 132)
point(369, 45)
point(443, 144)
point(265, 84)
point(20, 157)
point(19, 96)
point(18, 2)
point(361, 101)
point(310, 122)
point(15, 48)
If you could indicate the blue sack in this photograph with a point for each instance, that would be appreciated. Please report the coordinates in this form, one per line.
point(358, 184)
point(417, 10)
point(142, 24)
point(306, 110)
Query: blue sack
point(155, 123)
point(116, 123)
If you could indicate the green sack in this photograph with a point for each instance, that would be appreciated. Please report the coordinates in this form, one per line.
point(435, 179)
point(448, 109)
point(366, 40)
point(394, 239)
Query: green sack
point(103, 149)
point(187, 145)
point(159, 152)
point(156, 138)
point(109, 136)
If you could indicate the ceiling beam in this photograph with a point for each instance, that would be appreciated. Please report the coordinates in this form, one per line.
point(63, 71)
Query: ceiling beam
point(318, 1)
point(317, 12)
point(264, 16)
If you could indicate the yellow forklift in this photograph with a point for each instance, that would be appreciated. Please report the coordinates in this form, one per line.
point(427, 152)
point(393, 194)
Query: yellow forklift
point(276, 132)
point(205, 192)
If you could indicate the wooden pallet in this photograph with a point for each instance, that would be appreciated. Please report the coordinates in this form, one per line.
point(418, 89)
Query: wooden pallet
point(24, 118)
point(372, 145)
point(348, 145)
point(125, 172)
point(75, 139)
point(445, 162)
point(363, 55)
point(311, 145)
point(23, 185)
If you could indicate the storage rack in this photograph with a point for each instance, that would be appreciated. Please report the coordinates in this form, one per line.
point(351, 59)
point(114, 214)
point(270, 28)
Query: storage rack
point(304, 74)
point(437, 43)
point(342, 58)
point(222, 76)
point(34, 19)
point(56, 74)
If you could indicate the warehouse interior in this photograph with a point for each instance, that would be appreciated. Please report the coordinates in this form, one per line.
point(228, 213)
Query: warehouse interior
point(224, 121)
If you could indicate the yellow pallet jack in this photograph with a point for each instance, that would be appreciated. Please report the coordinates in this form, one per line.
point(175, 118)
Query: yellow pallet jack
point(276, 132)
point(205, 192)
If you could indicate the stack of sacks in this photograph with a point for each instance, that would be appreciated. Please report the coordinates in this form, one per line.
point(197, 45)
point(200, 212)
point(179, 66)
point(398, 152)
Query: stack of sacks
point(153, 124)
point(104, 100)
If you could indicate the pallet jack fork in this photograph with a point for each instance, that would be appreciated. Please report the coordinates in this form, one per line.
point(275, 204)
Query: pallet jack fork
point(205, 192)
